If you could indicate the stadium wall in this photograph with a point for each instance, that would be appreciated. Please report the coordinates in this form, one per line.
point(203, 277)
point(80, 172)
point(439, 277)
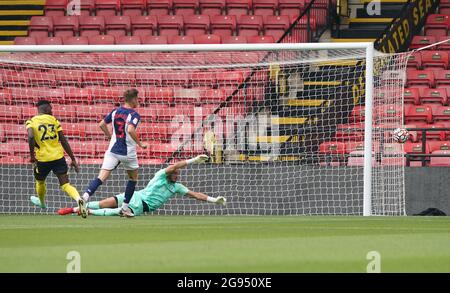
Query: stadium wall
point(286, 196)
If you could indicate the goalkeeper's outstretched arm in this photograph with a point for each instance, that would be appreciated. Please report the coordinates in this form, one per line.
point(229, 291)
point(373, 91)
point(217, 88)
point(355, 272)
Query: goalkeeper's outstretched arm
point(197, 160)
point(201, 196)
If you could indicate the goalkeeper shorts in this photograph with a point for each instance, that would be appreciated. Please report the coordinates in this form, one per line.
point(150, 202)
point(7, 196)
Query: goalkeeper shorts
point(136, 204)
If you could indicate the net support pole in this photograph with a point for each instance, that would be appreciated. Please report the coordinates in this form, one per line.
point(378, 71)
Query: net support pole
point(367, 201)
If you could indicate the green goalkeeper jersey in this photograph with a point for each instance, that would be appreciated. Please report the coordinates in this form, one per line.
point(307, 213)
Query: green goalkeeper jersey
point(159, 190)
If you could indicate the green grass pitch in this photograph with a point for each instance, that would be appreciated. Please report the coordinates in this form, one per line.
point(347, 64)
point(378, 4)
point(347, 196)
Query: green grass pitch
point(34, 243)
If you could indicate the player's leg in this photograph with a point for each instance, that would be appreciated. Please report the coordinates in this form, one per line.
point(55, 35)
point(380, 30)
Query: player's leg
point(131, 166)
point(41, 171)
point(110, 202)
point(110, 162)
point(107, 207)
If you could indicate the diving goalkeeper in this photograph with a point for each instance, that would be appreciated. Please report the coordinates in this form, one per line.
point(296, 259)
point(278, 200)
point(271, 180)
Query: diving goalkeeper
point(160, 189)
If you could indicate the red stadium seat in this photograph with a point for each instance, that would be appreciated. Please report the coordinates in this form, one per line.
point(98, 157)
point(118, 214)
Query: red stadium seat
point(420, 77)
point(181, 40)
point(170, 25)
point(65, 26)
point(74, 95)
point(159, 95)
point(442, 78)
point(121, 76)
point(246, 57)
point(110, 95)
point(265, 7)
point(193, 59)
point(66, 113)
point(148, 77)
point(415, 60)
point(291, 7)
point(353, 132)
point(212, 96)
point(165, 58)
point(223, 25)
point(437, 25)
point(358, 114)
point(138, 58)
point(10, 114)
point(442, 114)
point(415, 148)
point(218, 58)
point(331, 151)
point(411, 95)
point(356, 158)
point(132, 7)
point(202, 78)
point(87, 7)
point(40, 78)
point(76, 41)
point(84, 149)
point(196, 25)
point(49, 41)
point(439, 145)
point(25, 41)
point(93, 112)
point(432, 135)
point(95, 78)
point(186, 95)
point(111, 58)
point(14, 131)
point(28, 112)
point(175, 77)
point(234, 40)
point(155, 40)
point(211, 7)
point(275, 26)
point(444, 7)
point(129, 40)
point(153, 131)
point(434, 96)
point(261, 39)
point(91, 25)
point(55, 7)
point(40, 26)
point(93, 131)
point(419, 113)
point(117, 26)
point(150, 113)
point(143, 25)
point(440, 161)
point(446, 44)
point(14, 78)
point(229, 77)
point(421, 41)
point(106, 8)
point(238, 7)
point(249, 25)
point(13, 160)
point(5, 96)
point(74, 130)
point(435, 59)
point(102, 40)
point(159, 7)
point(25, 95)
point(207, 39)
point(54, 95)
point(185, 7)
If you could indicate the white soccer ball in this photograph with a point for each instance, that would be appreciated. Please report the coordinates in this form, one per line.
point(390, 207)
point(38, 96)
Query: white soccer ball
point(401, 135)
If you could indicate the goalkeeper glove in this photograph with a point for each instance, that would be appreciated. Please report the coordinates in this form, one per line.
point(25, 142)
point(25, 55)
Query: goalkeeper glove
point(200, 159)
point(217, 200)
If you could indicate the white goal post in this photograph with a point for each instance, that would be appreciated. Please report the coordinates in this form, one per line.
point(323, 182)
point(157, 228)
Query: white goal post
point(285, 67)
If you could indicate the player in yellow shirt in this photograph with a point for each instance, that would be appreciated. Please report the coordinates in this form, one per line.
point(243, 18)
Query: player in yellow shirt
point(47, 145)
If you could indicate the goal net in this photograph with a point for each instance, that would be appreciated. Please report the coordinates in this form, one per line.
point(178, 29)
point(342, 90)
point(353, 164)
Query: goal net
point(284, 128)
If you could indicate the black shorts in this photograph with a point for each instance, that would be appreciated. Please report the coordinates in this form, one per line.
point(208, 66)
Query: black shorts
point(59, 167)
